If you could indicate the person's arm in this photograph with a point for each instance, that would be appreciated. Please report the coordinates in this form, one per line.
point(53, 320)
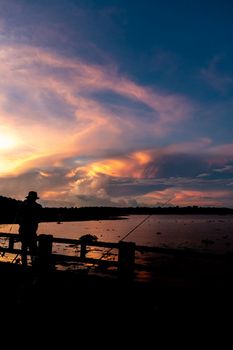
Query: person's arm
point(40, 213)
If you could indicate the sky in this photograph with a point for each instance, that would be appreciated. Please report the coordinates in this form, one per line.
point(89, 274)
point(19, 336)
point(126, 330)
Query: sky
point(117, 103)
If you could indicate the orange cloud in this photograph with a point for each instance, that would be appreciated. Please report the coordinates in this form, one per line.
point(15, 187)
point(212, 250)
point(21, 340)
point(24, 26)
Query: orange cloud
point(51, 195)
point(186, 197)
point(34, 80)
point(51, 116)
point(131, 165)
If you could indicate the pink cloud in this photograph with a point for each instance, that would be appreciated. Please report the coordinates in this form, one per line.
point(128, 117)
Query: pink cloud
point(31, 75)
point(33, 81)
point(188, 197)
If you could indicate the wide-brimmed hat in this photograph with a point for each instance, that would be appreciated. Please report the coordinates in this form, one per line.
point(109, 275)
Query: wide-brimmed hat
point(32, 194)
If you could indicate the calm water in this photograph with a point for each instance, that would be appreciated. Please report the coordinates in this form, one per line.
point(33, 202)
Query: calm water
point(202, 232)
point(159, 230)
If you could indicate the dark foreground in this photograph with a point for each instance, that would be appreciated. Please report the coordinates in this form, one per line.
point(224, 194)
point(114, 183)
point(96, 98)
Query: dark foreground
point(183, 297)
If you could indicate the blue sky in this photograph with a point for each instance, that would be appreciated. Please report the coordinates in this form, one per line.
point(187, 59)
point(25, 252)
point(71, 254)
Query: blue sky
point(117, 102)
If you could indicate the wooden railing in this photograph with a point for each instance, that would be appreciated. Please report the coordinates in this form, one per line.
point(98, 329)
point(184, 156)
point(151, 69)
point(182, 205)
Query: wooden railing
point(125, 262)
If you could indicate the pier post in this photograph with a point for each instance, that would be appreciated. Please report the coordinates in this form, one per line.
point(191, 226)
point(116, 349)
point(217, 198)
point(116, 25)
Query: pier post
point(45, 252)
point(126, 259)
point(11, 243)
point(83, 250)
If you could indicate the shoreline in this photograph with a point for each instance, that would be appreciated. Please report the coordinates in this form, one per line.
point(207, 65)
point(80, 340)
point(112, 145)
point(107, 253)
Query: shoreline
point(116, 217)
point(67, 220)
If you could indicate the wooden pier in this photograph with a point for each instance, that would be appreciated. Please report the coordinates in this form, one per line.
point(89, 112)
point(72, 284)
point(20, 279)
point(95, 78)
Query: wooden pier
point(186, 285)
point(124, 258)
point(125, 261)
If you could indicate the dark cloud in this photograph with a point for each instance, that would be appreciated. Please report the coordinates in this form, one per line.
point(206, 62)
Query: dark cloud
point(41, 181)
point(223, 173)
point(87, 92)
point(132, 188)
point(182, 165)
point(90, 201)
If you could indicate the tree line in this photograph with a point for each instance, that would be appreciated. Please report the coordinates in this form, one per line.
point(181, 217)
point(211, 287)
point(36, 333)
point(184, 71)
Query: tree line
point(9, 208)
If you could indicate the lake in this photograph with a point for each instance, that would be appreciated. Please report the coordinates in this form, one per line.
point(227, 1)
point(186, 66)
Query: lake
point(202, 232)
point(157, 230)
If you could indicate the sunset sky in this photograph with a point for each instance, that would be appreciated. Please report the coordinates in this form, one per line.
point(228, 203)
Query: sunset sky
point(116, 102)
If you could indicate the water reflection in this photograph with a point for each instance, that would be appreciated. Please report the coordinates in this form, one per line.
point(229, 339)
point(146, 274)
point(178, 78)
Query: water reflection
point(201, 232)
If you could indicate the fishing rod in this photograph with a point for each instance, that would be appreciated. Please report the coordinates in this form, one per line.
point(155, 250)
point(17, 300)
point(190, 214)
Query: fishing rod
point(142, 222)
point(133, 229)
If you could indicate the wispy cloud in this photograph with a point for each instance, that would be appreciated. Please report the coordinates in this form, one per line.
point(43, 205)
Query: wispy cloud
point(154, 176)
point(47, 102)
point(89, 133)
point(217, 79)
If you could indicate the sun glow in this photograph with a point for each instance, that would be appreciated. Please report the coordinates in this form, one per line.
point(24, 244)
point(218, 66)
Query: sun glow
point(6, 141)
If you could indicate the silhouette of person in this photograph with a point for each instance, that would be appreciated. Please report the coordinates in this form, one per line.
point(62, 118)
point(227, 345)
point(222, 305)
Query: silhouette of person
point(28, 218)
